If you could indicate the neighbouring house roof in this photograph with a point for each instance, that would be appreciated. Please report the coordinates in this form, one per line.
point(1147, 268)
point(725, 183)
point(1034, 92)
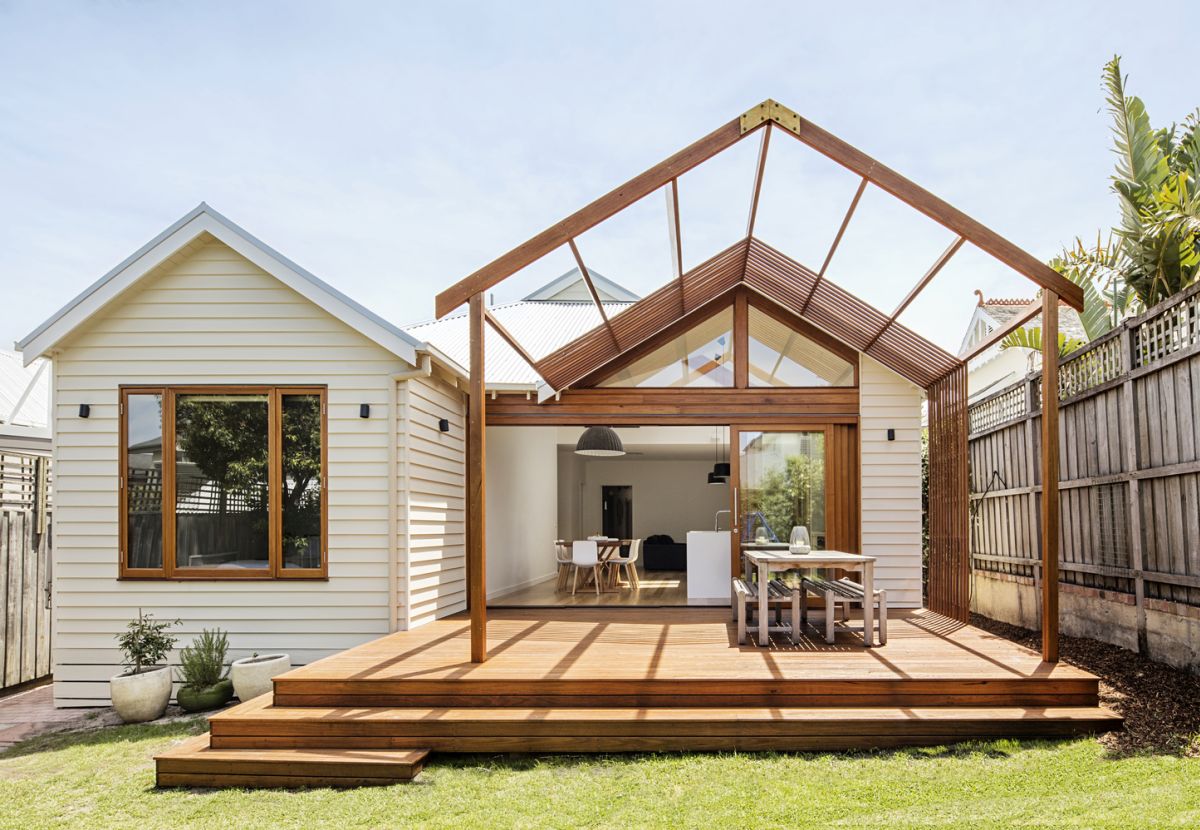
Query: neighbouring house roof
point(199, 221)
point(995, 313)
point(570, 287)
point(541, 327)
point(24, 393)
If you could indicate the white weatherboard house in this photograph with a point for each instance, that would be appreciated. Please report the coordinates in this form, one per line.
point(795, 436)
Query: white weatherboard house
point(239, 445)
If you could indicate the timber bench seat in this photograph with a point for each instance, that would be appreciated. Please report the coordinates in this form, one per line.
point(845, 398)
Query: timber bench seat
point(746, 596)
point(844, 592)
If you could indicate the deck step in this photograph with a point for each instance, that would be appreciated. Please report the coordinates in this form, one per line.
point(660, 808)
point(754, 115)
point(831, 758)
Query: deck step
point(195, 763)
point(618, 729)
point(690, 692)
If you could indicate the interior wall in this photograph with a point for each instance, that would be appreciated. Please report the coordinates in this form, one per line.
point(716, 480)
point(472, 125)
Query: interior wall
point(670, 496)
point(522, 506)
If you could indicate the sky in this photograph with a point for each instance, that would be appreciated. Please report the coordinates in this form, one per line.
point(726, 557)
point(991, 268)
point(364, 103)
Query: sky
point(394, 148)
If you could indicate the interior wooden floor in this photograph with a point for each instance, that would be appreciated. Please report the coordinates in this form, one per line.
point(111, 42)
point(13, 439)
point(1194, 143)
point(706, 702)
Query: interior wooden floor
point(635, 679)
point(656, 588)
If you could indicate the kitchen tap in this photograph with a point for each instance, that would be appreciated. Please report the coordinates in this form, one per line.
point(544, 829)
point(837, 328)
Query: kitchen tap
point(717, 519)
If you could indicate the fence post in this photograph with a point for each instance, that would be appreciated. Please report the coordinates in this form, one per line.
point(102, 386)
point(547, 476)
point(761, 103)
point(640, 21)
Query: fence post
point(1128, 422)
point(1030, 476)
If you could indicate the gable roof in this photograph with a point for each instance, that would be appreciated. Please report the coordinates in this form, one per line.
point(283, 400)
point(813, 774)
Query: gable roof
point(199, 221)
point(767, 272)
point(803, 291)
point(608, 290)
point(999, 311)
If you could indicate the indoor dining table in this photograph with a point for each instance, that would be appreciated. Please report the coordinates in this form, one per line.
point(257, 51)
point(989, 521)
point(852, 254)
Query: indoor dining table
point(765, 561)
point(606, 548)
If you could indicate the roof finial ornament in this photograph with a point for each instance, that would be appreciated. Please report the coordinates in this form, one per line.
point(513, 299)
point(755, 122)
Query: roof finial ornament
point(979, 294)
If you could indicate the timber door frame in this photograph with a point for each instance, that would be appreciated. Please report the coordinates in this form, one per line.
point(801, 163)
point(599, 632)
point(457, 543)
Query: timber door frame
point(838, 502)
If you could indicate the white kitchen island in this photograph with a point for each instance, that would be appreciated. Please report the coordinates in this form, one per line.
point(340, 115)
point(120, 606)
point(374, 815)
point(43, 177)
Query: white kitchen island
point(708, 569)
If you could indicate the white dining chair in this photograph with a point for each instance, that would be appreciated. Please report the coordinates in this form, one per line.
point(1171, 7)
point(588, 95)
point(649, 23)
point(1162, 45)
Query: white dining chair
point(629, 563)
point(585, 554)
point(562, 561)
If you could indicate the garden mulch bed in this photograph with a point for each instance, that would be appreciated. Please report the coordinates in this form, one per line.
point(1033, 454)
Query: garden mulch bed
point(1160, 704)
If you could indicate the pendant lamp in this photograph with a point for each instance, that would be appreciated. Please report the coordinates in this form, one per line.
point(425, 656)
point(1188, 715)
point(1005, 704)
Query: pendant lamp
point(599, 441)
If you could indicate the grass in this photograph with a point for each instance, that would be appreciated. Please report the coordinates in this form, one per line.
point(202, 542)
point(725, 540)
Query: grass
point(105, 778)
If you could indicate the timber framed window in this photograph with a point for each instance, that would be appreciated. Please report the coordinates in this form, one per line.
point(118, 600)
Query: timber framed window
point(223, 482)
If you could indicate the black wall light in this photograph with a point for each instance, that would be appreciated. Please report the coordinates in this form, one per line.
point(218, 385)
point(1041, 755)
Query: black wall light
point(891, 435)
point(443, 425)
point(364, 410)
point(85, 410)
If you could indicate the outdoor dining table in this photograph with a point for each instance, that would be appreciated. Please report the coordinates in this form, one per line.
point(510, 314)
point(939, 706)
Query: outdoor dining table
point(766, 561)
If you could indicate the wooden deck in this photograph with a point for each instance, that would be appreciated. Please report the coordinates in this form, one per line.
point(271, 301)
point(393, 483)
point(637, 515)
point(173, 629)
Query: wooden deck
point(634, 679)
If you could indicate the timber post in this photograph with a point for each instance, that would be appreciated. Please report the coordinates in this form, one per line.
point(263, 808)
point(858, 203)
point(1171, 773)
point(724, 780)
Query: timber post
point(476, 491)
point(1050, 505)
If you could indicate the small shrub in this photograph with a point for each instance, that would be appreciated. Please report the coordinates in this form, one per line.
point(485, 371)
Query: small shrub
point(202, 664)
point(145, 642)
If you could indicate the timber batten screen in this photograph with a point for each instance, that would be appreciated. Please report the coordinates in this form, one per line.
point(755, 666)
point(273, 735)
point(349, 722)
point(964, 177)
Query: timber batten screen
point(948, 574)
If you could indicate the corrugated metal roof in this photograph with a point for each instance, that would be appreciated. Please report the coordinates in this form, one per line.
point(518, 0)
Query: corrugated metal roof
point(540, 328)
point(15, 379)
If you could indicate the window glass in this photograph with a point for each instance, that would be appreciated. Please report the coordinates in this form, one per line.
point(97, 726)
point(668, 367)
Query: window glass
point(701, 356)
point(782, 486)
point(143, 481)
point(222, 510)
point(301, 481)
point(781, 356)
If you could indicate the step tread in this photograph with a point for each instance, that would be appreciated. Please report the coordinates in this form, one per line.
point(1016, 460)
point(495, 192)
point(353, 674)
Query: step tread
point(254, 711)
point(198, 749)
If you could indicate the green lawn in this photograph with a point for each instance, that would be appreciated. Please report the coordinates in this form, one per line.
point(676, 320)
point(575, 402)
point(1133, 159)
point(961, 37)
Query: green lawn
point(105, 779)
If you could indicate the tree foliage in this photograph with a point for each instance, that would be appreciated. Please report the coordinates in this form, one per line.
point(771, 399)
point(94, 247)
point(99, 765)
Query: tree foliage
point(145, 642)
point(1155, 250)
point(794, 495)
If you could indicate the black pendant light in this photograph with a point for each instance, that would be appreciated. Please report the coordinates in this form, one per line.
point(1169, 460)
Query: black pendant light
point(599, 441)
point(713, 478)
point(721, 469)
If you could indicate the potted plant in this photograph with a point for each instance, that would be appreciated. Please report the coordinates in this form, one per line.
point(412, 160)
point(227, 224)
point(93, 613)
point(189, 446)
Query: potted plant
point(143, 691)
point(252, 675)
point(202, 672)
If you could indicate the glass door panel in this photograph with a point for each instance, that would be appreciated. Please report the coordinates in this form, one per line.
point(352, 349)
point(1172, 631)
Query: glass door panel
point(781, 485)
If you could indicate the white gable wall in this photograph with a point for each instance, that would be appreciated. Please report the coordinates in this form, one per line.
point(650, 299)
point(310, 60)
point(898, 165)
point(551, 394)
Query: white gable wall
point(210, 316)
point(891, 480)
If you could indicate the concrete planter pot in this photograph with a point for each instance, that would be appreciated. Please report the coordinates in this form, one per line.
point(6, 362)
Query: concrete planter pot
point(142, 696)
point(252, 675)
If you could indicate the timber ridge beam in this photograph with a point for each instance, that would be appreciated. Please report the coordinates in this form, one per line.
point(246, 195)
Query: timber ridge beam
point(773, 113)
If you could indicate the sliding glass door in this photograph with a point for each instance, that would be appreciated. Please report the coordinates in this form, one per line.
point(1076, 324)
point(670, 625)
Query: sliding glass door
point(781, 485)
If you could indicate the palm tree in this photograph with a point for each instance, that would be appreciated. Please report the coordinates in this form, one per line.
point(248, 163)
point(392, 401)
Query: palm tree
point(1155, 251)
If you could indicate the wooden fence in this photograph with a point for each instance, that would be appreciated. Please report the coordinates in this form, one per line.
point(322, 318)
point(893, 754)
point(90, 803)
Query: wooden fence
point(1129, 457)
point(25, 569)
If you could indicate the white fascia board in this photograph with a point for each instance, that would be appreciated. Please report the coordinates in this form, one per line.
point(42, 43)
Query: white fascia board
point(204, 219)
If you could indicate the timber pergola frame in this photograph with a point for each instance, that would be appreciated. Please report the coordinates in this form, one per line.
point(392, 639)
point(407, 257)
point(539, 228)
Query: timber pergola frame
point(810, 296)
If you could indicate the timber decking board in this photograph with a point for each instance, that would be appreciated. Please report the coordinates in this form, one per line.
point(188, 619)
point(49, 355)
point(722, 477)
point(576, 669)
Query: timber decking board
point(196, 763)
point(632, 680)
point(506, 729)
point(653, 649)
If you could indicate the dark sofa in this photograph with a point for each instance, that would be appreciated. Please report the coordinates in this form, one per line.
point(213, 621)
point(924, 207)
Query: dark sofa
point(662, 553)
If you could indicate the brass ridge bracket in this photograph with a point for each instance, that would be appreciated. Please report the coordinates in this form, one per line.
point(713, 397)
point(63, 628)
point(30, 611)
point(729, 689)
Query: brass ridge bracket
point(770, 110)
